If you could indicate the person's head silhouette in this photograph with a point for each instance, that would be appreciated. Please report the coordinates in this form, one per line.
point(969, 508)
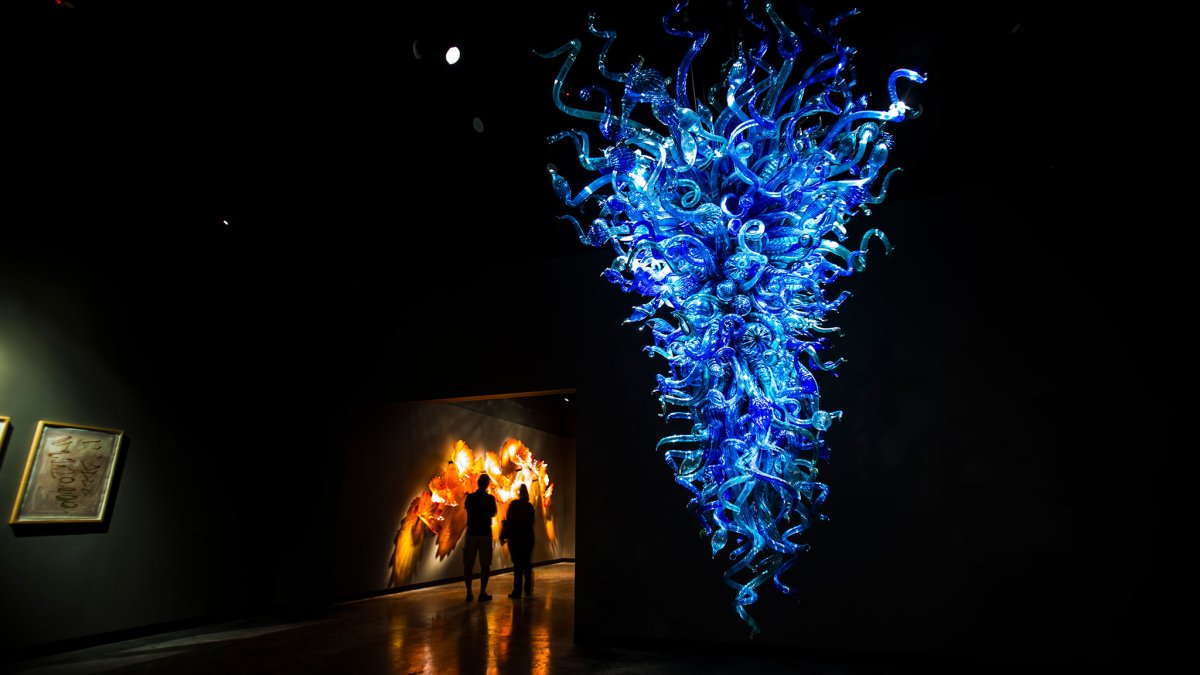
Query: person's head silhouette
point(484, 481)
point(524, 492)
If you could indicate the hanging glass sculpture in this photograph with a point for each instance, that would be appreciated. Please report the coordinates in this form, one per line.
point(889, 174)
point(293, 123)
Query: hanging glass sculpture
point(729, 216)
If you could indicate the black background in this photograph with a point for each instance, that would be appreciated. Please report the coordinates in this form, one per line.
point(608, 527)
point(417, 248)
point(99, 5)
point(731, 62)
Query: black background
point(995, 480)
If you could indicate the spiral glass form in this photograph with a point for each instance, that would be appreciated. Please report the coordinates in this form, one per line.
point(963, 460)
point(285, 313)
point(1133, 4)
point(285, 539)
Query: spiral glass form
point(730, 215)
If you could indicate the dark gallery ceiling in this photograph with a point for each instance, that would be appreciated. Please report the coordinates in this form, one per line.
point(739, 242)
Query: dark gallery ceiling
point(316, 127)
point(554, 413)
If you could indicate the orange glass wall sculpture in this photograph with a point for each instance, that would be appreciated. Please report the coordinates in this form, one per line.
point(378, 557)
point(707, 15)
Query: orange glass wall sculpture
point(438, 511)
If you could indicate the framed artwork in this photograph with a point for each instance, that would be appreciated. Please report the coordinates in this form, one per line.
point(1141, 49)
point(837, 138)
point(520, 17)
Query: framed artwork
point(68, 474)
point(3, 432)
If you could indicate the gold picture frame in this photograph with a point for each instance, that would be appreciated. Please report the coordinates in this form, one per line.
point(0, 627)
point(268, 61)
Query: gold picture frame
point(5, 423)
point(69, 474)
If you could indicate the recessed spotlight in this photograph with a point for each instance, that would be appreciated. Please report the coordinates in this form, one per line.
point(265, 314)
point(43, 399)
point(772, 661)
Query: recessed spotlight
point(452, 55)
point(478, 124)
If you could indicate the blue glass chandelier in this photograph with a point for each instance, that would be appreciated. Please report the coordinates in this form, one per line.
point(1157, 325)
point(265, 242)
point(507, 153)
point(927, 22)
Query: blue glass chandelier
point(729, 216)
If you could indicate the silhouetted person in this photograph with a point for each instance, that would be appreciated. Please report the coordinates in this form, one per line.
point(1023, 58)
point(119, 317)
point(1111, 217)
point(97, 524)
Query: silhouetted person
point(520, 542)
point(481, 508)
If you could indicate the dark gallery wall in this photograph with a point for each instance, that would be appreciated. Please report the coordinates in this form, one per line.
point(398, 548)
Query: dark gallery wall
point(171, 549)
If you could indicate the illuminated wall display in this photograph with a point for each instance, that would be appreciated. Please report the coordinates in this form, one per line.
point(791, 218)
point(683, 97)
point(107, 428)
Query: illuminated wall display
point(438, 512)
point(729, 213)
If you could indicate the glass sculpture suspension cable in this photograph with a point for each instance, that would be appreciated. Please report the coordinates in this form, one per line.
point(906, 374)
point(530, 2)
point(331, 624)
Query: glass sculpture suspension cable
point(730, 215)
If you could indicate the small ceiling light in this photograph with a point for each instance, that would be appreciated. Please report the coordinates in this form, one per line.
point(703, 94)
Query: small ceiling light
point(452, 55)
point(478, 124)
point(416, 52)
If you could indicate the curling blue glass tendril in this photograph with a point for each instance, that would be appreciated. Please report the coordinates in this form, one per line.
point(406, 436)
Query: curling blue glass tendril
point(731, 218)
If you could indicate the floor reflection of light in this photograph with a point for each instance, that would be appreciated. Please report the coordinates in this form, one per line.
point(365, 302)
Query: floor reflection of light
point(498, 642)
point(427, 630)
point(417, 654)
point(224, 636)
point(399, 658)
point(503, 636)
point(540, 648)
point(511, 647)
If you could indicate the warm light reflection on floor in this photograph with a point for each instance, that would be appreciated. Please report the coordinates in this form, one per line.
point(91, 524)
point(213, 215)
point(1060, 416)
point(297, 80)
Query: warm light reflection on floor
point(435, 631)
point(431, 631)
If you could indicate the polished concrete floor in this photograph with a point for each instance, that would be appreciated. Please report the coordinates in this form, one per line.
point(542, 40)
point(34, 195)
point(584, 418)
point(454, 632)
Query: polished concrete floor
point(431, 630)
